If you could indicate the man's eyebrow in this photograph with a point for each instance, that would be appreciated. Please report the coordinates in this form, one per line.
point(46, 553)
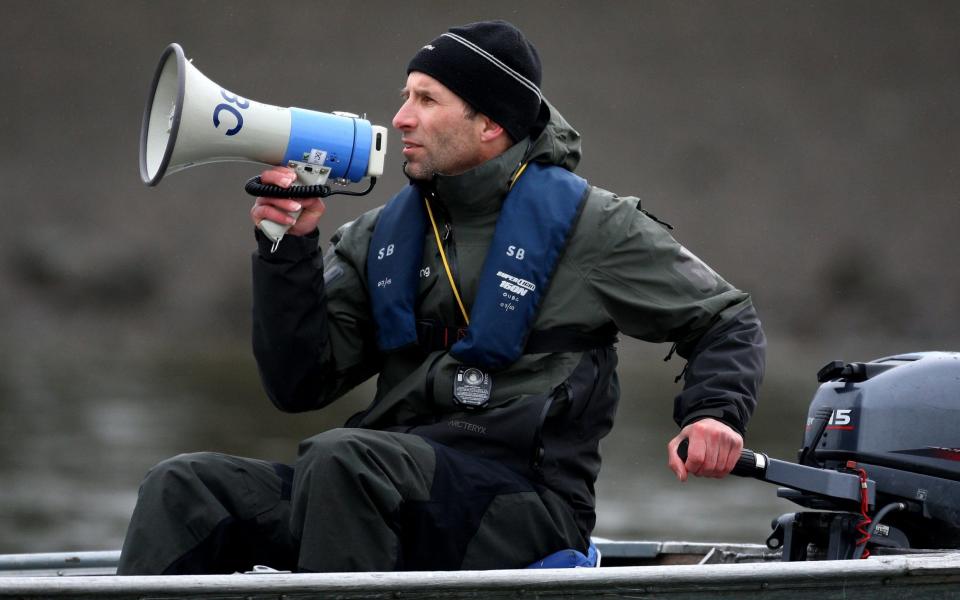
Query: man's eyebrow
point(422, 90)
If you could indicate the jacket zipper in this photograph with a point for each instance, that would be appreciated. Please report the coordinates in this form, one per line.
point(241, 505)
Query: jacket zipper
point(539, 451)
point(450, 247)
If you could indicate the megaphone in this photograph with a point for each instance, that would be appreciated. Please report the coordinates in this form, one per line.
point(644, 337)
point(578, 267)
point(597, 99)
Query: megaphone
point(189, 120)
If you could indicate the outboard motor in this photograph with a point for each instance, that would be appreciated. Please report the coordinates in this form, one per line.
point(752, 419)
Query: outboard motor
point(880, 463)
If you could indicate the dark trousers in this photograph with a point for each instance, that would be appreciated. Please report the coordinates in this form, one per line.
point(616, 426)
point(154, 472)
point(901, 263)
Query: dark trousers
point(356, 500)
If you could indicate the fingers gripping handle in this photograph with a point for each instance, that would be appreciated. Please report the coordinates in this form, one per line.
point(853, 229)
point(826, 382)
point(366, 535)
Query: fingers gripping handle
point(750, 463)
point(276, 231)
point(309, 184)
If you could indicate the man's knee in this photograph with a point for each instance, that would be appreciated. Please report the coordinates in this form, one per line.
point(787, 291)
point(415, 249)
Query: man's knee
point(182, 470)
point(361, 456)
point(348, 446)
point(331, 443)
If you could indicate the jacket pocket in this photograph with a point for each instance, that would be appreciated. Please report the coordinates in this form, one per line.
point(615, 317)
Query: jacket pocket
point(590, 399)
point(510, 433)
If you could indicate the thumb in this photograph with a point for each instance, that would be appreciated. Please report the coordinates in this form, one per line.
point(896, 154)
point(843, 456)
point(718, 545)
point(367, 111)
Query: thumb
point(674, 462)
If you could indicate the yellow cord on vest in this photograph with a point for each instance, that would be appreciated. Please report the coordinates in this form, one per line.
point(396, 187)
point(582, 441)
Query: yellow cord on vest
point(446, 265)
point(443, 255)
point(517, 175)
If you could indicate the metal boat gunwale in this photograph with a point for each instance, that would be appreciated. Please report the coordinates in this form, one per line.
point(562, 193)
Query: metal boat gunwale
point(613, 553)
point(928, 576)
point(738, 575)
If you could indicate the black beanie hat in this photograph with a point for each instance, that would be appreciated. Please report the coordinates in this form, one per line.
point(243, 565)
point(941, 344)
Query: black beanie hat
point(493, 67)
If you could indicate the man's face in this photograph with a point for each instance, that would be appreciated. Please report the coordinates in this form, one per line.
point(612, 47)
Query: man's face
point(438, 135)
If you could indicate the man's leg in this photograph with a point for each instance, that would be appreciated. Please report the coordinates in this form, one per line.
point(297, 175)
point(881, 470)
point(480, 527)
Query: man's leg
point(348, 487)
point(378, 501)
point(210, 513)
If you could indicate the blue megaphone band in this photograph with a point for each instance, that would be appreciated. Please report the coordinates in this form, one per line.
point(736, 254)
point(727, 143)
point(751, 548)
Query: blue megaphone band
point(346, 141)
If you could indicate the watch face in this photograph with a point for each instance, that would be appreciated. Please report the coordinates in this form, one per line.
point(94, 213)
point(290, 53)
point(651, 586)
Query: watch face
point(472, 387)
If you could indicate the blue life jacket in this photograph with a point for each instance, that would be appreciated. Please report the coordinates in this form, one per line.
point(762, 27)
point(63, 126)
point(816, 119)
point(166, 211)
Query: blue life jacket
point(536, 220)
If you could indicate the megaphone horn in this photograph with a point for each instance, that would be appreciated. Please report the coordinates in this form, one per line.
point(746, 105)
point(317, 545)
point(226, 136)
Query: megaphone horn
point(189, 120)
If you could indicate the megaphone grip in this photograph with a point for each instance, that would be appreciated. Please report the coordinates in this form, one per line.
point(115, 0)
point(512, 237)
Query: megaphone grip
point(255, 187)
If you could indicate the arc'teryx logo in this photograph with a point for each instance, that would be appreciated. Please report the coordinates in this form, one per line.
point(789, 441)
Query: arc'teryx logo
point(467, 426)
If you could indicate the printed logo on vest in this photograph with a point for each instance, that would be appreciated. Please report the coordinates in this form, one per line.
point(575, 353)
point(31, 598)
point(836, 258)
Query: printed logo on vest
point(512, 290)
point(515, 284)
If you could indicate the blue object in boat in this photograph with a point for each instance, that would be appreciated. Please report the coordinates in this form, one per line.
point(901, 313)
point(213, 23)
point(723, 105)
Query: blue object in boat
point(569, 559)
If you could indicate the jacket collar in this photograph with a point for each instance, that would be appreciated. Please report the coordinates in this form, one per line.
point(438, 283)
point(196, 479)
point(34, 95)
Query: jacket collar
point(475, 196)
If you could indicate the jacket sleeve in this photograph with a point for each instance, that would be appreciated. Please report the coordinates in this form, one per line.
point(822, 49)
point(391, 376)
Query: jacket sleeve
point(312, 338)
point(656, 290)
point(723, 373)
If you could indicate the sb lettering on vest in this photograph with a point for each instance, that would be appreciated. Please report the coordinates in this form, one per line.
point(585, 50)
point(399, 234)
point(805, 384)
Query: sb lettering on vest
point(515, 274)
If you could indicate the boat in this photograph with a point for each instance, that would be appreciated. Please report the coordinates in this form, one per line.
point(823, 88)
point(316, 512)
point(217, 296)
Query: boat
point(884, 522)
point(629, 569)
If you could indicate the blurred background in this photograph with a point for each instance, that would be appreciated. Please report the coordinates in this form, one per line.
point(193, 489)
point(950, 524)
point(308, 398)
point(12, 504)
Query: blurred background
point(807, 150)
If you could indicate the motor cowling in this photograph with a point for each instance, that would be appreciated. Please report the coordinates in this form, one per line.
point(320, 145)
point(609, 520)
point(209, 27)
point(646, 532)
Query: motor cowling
point(894, 420)
point(900, 412)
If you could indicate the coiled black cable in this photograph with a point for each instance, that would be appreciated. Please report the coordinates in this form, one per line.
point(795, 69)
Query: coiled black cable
point(255, 187)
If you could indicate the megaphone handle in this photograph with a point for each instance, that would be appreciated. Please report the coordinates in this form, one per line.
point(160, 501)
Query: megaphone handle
point(308, 184)
point(276, 231)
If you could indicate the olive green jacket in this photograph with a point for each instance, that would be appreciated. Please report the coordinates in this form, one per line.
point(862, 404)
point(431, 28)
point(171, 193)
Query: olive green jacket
point(314, 335)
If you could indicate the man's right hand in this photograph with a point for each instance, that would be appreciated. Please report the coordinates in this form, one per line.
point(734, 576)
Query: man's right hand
point(277, 209)
point(714, 449)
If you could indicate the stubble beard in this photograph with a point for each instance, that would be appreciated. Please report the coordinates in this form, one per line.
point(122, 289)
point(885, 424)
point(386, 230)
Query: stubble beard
point(449, 155)
point(421, 170)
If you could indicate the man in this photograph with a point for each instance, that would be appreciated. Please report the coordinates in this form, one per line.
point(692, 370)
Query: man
point(486, 297)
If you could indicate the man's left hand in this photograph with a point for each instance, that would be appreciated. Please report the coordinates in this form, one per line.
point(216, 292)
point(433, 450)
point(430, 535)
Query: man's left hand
point(713, 450)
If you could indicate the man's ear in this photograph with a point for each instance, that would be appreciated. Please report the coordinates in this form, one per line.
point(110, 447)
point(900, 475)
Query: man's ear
point(490, 129)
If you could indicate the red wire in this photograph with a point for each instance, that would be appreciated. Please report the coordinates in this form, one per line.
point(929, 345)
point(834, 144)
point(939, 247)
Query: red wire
point(864, 507)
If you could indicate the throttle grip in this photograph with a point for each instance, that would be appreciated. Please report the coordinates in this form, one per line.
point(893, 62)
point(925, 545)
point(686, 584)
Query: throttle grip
point(750, 463)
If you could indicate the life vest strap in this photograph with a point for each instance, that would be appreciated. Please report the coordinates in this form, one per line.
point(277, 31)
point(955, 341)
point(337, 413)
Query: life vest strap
point(434, 336)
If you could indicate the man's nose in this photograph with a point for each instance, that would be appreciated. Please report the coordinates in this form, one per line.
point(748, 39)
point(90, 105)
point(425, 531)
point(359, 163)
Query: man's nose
point(404, 119)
